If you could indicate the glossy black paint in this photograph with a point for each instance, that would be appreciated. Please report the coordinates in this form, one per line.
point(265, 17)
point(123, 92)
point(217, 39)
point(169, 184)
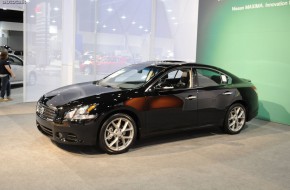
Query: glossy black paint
point(154, 111)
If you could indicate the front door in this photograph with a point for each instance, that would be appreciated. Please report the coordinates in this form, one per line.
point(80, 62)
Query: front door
point(171, 102)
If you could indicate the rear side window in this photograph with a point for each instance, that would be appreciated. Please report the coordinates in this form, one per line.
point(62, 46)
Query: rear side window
point(207, 77)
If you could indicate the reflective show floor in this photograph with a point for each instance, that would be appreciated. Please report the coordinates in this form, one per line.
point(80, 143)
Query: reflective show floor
point(257, 158)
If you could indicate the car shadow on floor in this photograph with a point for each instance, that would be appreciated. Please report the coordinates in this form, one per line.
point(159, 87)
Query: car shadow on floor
point(179, 136)
point(148, 141)
point(79, 149)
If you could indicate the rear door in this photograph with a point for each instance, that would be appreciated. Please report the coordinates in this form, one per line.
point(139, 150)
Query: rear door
point(214, 95)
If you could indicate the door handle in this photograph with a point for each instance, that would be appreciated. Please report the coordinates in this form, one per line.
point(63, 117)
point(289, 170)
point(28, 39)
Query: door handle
point(191, 97)
point(228, 93)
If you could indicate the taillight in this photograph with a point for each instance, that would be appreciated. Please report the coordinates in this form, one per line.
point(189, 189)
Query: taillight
point(254, 88)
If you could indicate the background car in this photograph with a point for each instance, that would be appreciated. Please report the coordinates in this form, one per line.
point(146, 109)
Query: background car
point(17, 67)
point(102, 64)
point(145, 99)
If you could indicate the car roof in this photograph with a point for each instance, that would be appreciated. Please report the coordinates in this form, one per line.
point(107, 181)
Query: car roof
point(172, 63)
point(168, 64)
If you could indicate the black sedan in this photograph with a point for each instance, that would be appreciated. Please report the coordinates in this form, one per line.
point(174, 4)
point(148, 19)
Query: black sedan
point(145, 99)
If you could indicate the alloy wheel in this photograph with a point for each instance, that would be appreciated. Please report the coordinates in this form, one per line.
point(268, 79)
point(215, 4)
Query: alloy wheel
point(236, 119)
point(119, 134)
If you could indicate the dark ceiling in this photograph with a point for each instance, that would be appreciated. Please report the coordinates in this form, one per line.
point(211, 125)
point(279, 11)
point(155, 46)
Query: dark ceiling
point(11, 16)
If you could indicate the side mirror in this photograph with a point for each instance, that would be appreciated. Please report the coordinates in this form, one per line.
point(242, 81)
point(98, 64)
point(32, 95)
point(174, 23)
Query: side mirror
point(152, 89)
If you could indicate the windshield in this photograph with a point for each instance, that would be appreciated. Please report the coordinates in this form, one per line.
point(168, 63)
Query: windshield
point(131, 77)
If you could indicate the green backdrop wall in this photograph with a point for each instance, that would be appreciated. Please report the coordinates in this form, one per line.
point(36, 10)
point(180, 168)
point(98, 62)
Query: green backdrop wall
point(250, 38)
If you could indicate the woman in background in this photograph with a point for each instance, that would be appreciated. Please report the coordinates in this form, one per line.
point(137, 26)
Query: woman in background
point(5, 73)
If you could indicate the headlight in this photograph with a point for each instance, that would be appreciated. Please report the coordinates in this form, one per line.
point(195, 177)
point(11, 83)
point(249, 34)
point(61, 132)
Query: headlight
point(81, 113)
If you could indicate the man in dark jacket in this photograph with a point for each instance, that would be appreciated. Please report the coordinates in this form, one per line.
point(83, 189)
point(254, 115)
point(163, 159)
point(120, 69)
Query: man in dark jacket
point(5, 73)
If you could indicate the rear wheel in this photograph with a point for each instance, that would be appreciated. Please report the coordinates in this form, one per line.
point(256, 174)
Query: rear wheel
point(235, 119)
point(118, 134)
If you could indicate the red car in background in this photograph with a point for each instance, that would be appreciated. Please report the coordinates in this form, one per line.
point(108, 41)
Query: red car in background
point(103, 64)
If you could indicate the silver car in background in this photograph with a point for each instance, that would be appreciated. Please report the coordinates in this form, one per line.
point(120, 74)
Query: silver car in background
point(17, 67)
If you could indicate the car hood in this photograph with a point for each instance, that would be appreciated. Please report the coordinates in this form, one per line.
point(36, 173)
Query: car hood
point(71, 93)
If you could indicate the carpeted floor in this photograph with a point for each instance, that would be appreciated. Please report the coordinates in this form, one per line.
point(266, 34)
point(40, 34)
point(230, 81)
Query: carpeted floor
point(257, 158)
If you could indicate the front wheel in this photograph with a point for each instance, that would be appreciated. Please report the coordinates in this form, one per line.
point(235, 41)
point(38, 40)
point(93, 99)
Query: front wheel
point(235, 119)
point(118, 134)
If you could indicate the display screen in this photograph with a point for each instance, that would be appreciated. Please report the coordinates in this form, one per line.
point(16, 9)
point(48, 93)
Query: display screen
point(250, 38)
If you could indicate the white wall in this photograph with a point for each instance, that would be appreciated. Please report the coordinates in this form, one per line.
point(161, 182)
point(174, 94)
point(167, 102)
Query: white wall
point(130, 30)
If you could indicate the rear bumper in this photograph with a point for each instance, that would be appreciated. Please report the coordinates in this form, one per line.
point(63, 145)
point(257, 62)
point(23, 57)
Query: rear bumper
point(252, 114)
point(69, 133)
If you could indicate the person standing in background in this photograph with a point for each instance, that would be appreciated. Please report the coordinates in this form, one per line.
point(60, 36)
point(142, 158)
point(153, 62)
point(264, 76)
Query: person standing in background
point(5, 73)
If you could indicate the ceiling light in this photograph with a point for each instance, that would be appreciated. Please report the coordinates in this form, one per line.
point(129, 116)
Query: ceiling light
point(104, 26)
point(146, 30)
point(97, 22)
point(53, 21)
point(109, 9)
point(173, 18)
point(114, 29)
point(133, 22)
point(123, 17)
point(32, 16)
point(56, 8)
point(169, 11)
point(140, 27)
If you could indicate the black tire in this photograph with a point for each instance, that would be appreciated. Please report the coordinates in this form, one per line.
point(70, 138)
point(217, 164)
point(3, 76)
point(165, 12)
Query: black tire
point(118, 134)
point(235, 119)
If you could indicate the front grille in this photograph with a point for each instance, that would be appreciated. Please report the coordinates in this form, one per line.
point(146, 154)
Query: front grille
point(45, 112)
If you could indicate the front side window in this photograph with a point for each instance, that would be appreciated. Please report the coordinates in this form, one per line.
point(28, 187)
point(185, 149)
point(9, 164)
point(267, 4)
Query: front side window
point(207, 77)
point(176, 79)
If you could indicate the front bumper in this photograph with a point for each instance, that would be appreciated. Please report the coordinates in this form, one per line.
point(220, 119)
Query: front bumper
point(68, 132)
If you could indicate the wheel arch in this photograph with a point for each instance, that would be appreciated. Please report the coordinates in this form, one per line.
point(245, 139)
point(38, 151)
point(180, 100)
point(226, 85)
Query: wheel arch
point(126, 111)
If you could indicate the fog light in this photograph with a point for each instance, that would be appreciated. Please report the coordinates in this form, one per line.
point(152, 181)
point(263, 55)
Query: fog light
point(59, 135)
